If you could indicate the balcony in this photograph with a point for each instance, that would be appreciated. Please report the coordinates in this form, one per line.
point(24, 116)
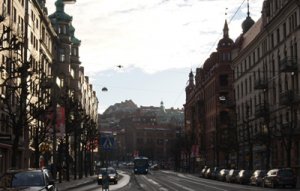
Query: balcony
point(288, 97)
point(289, 129)
point(288, 64)
point(260, 137)
point(261, 110)
point(260, 84)
point(226, 102)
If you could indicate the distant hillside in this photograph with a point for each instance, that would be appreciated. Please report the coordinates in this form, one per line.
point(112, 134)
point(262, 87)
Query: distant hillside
point(127, 106)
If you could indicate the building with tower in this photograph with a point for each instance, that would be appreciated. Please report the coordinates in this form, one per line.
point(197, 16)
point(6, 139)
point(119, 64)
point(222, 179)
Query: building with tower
point(48, 107)
point(254, 122)
point(208, 108)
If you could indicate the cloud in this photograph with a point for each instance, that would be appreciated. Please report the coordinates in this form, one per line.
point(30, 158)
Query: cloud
point(152, 35)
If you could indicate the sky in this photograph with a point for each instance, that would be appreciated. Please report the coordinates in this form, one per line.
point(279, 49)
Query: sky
point(156, 42)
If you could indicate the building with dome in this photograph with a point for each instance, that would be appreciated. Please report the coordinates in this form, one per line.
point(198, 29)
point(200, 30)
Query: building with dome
point(49, 117)
point(209, 95)
point(253, 122)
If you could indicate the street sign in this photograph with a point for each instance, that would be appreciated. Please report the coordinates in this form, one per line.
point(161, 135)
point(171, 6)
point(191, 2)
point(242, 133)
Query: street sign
point(107, 143)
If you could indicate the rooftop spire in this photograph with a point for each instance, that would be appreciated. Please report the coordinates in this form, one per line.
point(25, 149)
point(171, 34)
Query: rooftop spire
point(225, 30)
point(247, 24)
point(248, 13)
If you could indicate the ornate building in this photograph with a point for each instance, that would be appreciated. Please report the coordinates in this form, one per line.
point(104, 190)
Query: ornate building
point(208, 109)
point(47, 104)
point(266, 66)
point(263, 124)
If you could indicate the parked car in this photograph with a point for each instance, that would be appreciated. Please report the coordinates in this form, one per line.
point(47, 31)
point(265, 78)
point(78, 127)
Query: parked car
point(214, 173)
point(243, 176)
point(207, 173)
point(280, 177)
point(231, 176)
point(222, 174)
point(154, 167)
point(27, 179)
point(202, 173)
point(257, 177)
point(109, 172)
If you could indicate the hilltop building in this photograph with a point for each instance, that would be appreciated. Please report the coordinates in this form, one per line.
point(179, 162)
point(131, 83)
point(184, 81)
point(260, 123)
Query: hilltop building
point(142, 131)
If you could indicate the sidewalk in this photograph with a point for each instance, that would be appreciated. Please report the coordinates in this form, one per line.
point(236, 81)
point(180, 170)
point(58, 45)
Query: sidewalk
point(68, 185)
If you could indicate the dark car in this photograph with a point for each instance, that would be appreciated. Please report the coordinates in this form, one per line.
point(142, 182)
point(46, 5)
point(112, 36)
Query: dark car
point(257, 177)
point(243, 176)
point(214, 173)
point(28, 179)
point(231, 176)
point(110, 173)
point(280, 177)
point(222, 174)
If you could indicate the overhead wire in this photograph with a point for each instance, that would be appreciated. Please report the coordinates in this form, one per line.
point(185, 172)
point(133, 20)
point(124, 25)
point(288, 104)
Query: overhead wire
point(214, 44)
point(220, 34)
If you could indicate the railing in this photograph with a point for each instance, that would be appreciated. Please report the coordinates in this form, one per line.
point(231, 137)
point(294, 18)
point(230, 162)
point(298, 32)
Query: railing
point(288, 97)
point(260, 84)
point(288, 64)
point(289, 129)
point(261, 110)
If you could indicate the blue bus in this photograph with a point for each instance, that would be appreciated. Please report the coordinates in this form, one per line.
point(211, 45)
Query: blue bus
point(141, 165)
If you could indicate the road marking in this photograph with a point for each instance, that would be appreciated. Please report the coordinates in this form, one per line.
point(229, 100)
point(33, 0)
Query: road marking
point(155, 183)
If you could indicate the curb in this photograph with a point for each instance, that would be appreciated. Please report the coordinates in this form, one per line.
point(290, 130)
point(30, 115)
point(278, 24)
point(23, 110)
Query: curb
point(71, 186)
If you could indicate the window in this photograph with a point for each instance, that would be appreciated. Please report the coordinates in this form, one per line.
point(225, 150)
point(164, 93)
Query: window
point(278, 35)
point(37, 23)
point(246, 86)
point(31, 38)
point(64, 29)
point(284, 30)
point(62, 55)
point(250, 84)
point(15, 14)
point(272, 40)
point(223, 80)
point(75, 51)
point(8, 7)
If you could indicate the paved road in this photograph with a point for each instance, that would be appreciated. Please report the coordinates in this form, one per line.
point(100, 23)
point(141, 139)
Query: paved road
point(171, 181)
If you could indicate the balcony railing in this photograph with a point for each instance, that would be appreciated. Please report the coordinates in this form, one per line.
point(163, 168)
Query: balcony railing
point(260, 137)
point(288, 64)
point(228, 103)
point(288, 97)
point(261, 110)
point(260, 84)
point(289, 129)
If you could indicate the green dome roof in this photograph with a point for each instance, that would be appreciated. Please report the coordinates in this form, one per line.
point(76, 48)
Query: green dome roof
point(74, 40)
point(60, 14)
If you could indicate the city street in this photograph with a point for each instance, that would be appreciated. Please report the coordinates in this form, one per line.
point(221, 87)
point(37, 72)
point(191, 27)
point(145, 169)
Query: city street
point(170, 181)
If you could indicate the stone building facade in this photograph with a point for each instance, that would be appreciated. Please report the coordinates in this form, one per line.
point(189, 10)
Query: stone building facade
point(262, 103)
point(40, 73)
point(266, 66)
